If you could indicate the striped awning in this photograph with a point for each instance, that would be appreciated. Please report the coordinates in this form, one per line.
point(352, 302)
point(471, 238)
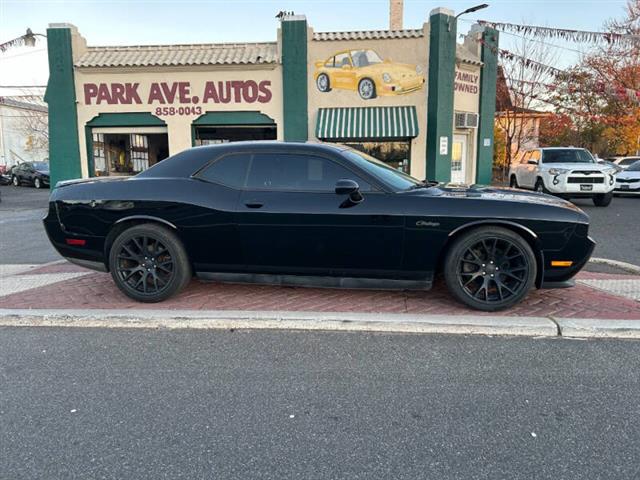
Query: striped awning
point(367, 123)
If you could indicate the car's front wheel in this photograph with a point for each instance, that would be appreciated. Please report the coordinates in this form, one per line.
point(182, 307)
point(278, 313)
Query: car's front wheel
point(367, 89)
point(490, 268)
point(513, 182)
point(602, 199)
point(149, 263)
point(37, 183)
point(15, 181)
point(539, 186)
point(323, 83)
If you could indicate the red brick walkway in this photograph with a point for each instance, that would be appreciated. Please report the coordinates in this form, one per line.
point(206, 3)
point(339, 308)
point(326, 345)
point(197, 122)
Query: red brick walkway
point(97, 291)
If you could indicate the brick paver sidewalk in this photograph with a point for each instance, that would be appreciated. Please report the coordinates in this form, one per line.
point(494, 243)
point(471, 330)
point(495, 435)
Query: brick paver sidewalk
point(71, 287)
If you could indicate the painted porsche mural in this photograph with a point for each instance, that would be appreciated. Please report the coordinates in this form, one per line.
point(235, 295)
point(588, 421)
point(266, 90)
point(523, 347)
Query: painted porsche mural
point(367, 73)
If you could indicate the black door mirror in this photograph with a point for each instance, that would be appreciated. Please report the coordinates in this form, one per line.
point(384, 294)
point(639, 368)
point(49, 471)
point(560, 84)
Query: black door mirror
point(351, 188)
point(532, 162)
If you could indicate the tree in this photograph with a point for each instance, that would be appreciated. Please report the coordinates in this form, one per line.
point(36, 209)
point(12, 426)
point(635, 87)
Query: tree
point(519, 94)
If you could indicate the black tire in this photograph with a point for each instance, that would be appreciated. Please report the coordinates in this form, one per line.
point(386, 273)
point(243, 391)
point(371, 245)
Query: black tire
point(323, 83)
point(37, 183)
point(602, 199)
point(490, 268)
point(150, 270)
point(367, 89)
point(15, 181)
point(513, 182)
point(539, 186)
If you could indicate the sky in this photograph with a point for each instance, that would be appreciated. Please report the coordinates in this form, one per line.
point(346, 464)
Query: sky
point(121, 22)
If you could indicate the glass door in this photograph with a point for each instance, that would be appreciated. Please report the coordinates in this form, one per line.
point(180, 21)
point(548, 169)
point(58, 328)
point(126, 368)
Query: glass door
point(458, 159)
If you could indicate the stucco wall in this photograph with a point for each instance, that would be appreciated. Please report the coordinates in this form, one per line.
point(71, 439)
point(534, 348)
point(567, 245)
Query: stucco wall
point(178, 126)
point(466, 98)
point(413, 51)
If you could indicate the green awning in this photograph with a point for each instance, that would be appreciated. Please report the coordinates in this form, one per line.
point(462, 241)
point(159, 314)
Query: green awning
point(367, 123)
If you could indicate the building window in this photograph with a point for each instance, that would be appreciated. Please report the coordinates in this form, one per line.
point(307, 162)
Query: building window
point(394, 153)
point(127, 153)
point(209, 135)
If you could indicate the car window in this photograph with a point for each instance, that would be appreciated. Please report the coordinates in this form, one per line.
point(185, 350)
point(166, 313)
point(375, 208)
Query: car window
point(230, 170)
point(635, 167)
point(629, 161)
point(330, 62)
point(298, 172)
point(342, 59)
point(568, 155)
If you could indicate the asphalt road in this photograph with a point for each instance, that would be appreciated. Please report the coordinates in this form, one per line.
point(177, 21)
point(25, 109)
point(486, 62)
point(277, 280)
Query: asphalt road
point(144, 404)
point(22, 238)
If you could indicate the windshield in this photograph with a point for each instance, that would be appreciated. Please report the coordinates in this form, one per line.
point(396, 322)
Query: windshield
point(40, 165)
point(387, 175)
point(569, 155)
point(635, 167)
point(363, 58)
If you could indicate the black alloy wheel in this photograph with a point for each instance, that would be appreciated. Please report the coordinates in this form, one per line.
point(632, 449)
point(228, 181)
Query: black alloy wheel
point(15, 181)
point(490, 268)
point(513, 182)
point(37, 183)
point(148, 263)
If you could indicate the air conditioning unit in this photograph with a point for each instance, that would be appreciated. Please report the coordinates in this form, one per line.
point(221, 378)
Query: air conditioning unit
point(466, 120)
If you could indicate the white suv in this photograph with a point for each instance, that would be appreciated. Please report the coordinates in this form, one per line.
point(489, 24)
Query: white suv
point(564, 171)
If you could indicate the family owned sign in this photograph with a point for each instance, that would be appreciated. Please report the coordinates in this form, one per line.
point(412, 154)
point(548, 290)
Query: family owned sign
point(181, 93)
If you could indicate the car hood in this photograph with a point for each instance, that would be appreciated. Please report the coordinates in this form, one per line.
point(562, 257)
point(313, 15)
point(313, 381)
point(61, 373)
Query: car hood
point(626, 174)
point(587, 167)
point(504, 194)
point(43, 172)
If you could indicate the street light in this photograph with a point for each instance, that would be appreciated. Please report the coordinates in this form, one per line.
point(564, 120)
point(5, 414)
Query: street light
point(468, 10)
point(28, 39)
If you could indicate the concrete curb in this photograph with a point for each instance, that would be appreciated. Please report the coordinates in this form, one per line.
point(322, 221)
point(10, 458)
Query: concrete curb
point(629, 267)
point(373, 322)
point(594, 328)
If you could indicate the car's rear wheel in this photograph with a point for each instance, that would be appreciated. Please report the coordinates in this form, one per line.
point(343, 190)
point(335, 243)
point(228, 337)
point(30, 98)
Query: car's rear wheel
point(149, 263)
point(513, 182)
point(602, 199)
point(323, 83)
point(37, 183)
point(490, 268)
point(367, 89)
point(15, 181)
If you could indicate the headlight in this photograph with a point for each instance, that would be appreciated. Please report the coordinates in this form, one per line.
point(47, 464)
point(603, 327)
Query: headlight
point(418, 69)
point(610, 171)
point(386, 77)
point(557, 171)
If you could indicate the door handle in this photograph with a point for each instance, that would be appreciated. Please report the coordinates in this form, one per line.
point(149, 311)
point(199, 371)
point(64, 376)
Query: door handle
point(254, 204)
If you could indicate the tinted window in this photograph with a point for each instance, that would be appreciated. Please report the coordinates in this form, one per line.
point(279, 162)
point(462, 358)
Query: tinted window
point(230, 170)
point(272, 171)
point(635, 167)
point(380, 170)
point(569, 155)
point(629, 161)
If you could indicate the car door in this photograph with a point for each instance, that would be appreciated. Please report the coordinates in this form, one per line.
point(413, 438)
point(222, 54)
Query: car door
point(344, 74)
point(292, 221)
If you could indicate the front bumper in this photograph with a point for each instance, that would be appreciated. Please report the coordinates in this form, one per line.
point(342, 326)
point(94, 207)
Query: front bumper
point(402, 87)
point(578, 250)
point(577, 183)
point(627, 187)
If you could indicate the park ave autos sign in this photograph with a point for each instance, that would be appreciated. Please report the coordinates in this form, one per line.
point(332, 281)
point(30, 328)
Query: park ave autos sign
point(180, 94)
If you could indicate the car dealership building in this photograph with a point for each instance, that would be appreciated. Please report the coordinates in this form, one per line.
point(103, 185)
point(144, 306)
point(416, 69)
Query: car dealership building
point(415, 98)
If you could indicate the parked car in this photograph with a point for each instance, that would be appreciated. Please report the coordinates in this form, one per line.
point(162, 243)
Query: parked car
point(31, 173)
point(313, 214)
point(364, 71)
point(628, 182)
point(5, 175)
point(564, 171)
point(624, 162)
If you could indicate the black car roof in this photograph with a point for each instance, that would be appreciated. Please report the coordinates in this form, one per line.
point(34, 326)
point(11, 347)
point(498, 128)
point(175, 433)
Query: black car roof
point(187, 162)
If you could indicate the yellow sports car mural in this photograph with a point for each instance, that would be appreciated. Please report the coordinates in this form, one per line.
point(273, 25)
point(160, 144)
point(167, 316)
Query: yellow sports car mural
point(366, 72)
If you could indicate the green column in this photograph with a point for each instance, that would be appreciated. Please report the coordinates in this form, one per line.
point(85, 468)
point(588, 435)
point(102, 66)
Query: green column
point(64, 147)
point(487, 106)
point(294, 77)
point(442, 65)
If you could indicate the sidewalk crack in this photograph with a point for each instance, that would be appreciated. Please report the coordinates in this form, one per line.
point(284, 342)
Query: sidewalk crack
point(558, 329)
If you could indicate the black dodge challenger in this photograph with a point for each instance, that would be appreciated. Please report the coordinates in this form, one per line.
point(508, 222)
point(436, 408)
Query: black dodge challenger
point(313, 214)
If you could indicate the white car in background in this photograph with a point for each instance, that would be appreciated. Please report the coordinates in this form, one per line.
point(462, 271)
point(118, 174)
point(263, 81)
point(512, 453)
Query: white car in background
point(567, 172)
point(628, 181)
point(624, 162)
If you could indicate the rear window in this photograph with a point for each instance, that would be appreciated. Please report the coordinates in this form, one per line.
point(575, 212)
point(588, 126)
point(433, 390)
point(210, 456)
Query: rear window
point(230, 170)
point(569, 155)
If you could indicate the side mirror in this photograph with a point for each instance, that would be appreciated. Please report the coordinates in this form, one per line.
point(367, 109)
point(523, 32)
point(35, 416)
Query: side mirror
point(532, 162)
point(351, 188)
